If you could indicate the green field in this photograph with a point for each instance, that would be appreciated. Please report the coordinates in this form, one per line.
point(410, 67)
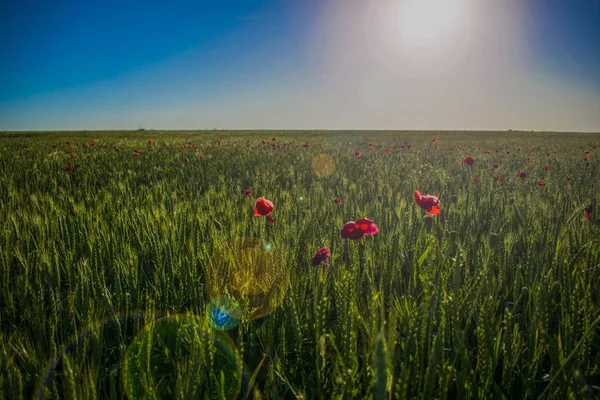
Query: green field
point(148, 276)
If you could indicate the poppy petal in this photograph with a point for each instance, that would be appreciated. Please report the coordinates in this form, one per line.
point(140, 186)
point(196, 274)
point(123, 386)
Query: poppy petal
point(434, 210)
point(373, 229)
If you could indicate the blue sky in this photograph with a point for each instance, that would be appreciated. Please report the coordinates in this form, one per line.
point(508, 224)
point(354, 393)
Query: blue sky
point(308, 64)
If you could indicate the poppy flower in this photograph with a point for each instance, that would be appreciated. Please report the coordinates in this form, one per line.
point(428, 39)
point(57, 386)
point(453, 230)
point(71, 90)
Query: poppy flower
point(321, 256)
point(541, 183)
point(488, 152)
point(356, 230)
point(185, 159)
point(247, 192)
point(586, 159)
point(69, 168)
point(136, 151)
point(476, 179)
point(496, 179)
point(469, 160)
point(263, 207)
point(546, 168)
point(306, 144)
point(273, 139)
point(149, 141)
point(435, 141)
point(522, 175)
point(496, 165)
point(85, 145)
point(68, 143)
point(429, 203)
point(588, 210)
point(117, 149)
point(337, 201)
point(408, 145)
point(357, 154)
point(587, 152)
point(73, 156)
point(568, 179)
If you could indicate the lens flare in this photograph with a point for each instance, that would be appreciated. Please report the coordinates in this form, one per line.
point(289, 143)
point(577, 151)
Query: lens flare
point(323, 165)
point(251, 271)
point(170, 350)
point(179, 354)
point(224, 313)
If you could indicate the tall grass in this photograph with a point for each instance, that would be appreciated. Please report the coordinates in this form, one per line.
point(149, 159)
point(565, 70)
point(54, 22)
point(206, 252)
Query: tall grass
point(103, 270)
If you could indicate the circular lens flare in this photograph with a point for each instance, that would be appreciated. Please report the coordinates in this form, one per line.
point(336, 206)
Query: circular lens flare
point(249, 270)
point(224, 313)
point(323, 165)
point(179, 353)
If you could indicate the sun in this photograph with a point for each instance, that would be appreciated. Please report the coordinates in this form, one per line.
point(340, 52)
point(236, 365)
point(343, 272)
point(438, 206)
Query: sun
point(427, 22)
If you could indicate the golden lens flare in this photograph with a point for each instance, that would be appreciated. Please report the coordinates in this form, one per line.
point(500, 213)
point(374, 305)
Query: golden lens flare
point(323, 165)
point(245, 269)
point(171, 349)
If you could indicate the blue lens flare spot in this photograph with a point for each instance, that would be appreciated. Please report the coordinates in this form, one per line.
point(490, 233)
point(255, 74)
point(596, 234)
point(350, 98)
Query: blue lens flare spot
point(224, 313)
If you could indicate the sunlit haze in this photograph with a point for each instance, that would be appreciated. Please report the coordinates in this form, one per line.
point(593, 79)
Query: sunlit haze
point(336, 64)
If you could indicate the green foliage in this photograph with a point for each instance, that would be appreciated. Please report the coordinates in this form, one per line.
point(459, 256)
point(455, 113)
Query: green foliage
point(104, 270)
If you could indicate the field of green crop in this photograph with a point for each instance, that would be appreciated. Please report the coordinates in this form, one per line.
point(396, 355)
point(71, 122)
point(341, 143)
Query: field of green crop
point(146, 275)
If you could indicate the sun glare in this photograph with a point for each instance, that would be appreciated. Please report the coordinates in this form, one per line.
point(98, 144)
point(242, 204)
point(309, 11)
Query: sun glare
point(426, 22)
point(417, 37)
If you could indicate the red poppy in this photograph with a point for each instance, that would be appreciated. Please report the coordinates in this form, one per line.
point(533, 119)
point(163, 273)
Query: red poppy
point(85, 145)
point(337, 201)
point(306, 144)
point(469, 160)
point(273, 139)
point(496, 179)
point(357, 154)
point(496, 165)
point(522, 175)
point(136, 151)
point(356, 230)
point(321, 256)
point(247, 192)
point(587, 152)
point(185, 159)
point(568, 179)
point(476, 179)
point(263, 207)
point(588, 210)
point(586, 159)
point(435, 141)
point(541, 183)
point(117, 149)
point(149, 141)
point(546, 168)
point(488, 152)
point(68, 143)
point(529, 159)
point(73, 156)
point(429, 203)
point(69, 168)
point(93, 143)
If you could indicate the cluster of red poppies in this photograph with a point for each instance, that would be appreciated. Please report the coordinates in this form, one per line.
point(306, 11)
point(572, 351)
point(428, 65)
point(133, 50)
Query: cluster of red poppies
point(353, 230)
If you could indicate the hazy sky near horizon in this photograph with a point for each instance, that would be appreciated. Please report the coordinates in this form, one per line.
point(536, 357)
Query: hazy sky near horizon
point(305, 64)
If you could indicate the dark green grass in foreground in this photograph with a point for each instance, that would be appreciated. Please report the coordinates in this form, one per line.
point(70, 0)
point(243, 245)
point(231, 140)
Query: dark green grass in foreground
point(103, 270)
